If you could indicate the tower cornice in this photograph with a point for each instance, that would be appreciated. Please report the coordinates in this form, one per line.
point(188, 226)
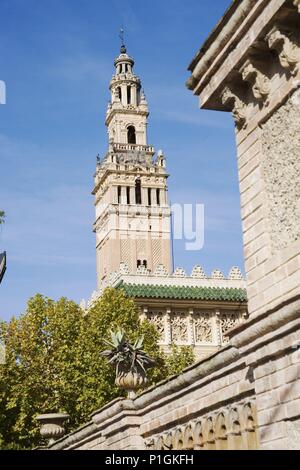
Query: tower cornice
point(128, 110)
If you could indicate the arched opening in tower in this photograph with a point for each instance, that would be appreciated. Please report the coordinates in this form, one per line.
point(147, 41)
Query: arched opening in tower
point(128, 95)
point(138, 192)
point(131, 135)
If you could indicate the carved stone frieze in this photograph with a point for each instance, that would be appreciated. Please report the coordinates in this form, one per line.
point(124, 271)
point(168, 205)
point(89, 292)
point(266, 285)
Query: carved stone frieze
point(232, 427)
point(287, 47)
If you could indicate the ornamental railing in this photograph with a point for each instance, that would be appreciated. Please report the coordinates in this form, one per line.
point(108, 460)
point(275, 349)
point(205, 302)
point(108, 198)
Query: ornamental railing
point(134, 147)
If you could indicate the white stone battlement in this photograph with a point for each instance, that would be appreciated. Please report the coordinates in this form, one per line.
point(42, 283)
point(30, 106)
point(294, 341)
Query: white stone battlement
point(179, 277)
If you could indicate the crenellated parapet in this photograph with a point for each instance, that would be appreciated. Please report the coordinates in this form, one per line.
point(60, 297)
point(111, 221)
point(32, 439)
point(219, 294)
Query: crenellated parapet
point(180, 276)
point(196, 309)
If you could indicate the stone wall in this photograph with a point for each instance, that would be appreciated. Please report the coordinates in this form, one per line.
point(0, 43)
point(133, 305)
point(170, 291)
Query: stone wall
point(281, 172)
point(256, 75)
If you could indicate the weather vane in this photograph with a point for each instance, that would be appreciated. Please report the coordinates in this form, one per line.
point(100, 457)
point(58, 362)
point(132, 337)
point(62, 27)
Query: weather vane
point(122, 36)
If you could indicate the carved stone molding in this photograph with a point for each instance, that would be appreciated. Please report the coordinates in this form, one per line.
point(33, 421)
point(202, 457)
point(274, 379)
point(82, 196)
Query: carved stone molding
point(239, 108)
point(288, 50)
point(259, 82)
point(297, 4)
point(232, 427)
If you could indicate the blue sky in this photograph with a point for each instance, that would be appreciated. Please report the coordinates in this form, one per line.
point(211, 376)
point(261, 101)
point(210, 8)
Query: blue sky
point(56, 57)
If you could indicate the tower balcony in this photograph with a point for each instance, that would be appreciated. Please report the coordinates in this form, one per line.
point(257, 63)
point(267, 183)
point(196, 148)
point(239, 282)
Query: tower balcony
point(133, 147)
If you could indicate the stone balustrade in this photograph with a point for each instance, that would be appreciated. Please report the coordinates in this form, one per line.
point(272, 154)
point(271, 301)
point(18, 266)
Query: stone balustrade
point(133, 147)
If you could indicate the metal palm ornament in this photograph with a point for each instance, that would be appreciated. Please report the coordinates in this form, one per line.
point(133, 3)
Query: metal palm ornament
point(130, 361)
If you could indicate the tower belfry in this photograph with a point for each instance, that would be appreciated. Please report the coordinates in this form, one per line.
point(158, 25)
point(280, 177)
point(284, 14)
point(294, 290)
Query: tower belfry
point(132, 213)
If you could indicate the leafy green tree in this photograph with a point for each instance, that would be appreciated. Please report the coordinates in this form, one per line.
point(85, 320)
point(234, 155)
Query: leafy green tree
point(54, 362)
point(179, 358)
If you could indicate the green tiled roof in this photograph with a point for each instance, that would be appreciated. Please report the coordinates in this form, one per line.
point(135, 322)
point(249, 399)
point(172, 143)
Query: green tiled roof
point(183, 292)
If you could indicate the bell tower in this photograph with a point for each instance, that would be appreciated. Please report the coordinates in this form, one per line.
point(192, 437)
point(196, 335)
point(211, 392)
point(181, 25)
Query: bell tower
point(133, 217)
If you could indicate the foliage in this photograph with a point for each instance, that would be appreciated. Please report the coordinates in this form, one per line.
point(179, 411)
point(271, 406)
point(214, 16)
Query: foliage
point(179, 358)
point(127, 357)
point(53, 362)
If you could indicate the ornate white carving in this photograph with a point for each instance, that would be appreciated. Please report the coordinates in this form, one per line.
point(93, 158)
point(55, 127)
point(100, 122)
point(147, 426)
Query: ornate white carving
point(161, 271)
point(217, 274)
point(239, 108)
point(142, 271)
point(284, 43)
point(198, 272)
point(228, 321)
point(235, 273)
point(202, 327)
point(179, 328)
point(260, 83)
point(124, 269)
point(157, 319)
point(179, 272)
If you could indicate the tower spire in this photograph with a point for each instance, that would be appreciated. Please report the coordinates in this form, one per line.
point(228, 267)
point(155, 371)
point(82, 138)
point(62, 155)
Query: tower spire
point(122, 38)
point(132, 212)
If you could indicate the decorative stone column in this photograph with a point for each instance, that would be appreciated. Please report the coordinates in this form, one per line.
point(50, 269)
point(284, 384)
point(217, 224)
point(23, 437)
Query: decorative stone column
point(132, 195)
point(123, 195)
point(191, 334)
point(52, 426)
point(133, 95)
point(216, 328)
point(168, 332)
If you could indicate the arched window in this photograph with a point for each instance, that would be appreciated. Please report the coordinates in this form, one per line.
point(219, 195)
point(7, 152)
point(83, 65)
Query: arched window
point(158, 197)
point(128, 95)
point(145, 263)
point(131, 135)
point(138, 263)
point(149, 196)
point(119, 93)
point(128, 194)
point(138, 191)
